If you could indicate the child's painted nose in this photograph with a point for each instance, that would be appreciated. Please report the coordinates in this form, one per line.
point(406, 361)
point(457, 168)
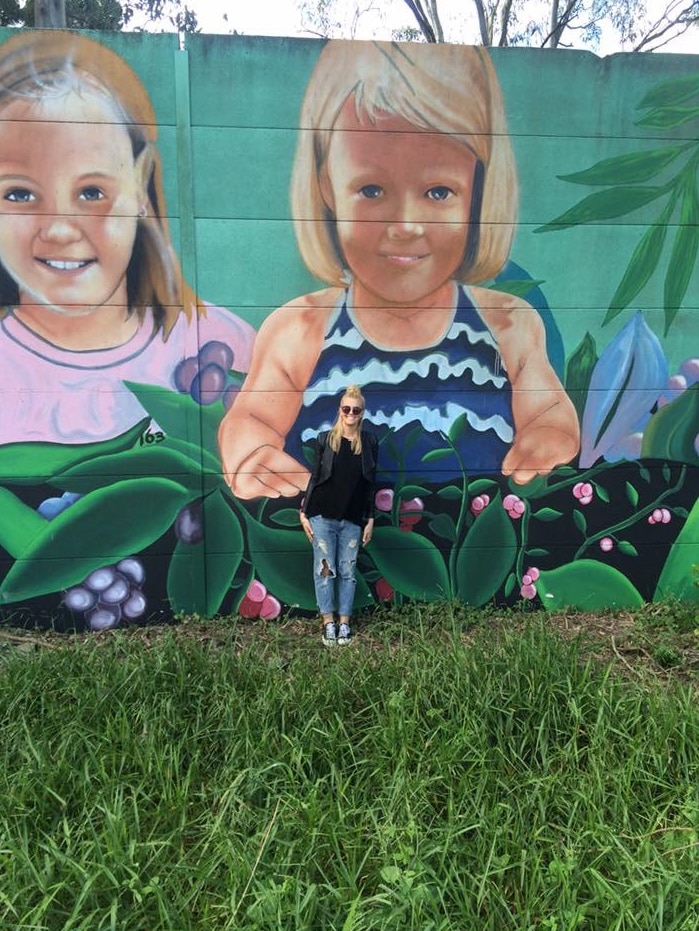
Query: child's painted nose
point(406, 222)
point(59, 228)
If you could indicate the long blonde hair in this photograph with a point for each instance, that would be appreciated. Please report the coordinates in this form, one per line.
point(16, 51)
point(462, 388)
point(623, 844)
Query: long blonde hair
point(352, 393)
point(40, 64)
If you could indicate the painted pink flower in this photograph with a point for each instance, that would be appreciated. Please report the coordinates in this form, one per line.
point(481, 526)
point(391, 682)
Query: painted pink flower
point(584, 492)
point(514, 506)
point(410, 514)
point(270, 608)
point(528, 592)
point(384, 591)
point(383, 500)
point(257, 592)
point(606, 544)
point(479, 503)
point(690, 370)
point(530, 576)
point(248, 608)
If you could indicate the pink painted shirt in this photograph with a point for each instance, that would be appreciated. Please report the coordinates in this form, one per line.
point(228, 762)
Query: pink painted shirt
point(63, 396)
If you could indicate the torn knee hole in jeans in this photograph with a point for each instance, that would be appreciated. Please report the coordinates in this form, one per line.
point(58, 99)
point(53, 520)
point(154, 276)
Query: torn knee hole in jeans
point(325, 568)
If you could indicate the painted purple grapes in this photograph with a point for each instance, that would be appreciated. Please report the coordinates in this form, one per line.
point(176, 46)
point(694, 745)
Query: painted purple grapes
point(189, 523)
point(217, 353)
point(103, 617)
point(229, 396)
point(79, 598)
point(208, 384)
point(185, 373)
point(109, 594)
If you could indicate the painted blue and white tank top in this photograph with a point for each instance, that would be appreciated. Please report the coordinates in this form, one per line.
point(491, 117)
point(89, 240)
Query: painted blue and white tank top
point(413, 397)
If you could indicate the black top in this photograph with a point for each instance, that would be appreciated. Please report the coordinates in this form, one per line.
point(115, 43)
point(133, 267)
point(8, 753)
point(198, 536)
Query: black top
point(342, 496)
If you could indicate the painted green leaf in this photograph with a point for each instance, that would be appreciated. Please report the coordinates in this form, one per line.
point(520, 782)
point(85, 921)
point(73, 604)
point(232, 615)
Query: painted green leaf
point(633, 168)
point(579, 371)
point(510, 584)
point(450, 493)
point(33, 463)
point(678, 578)
point(534, 488)
point(201, 457)
point(547, 514)
point(287, 517)
point(628, 549)
point(140, 462)
point(683, 257)
point(587, 585)
point(283, 561)
point(604, 205)
point(99, 529)
point(200, 574)
point(486, 555)
point(668, 117)
point(601, 492)
point(671, 93)
point(458, 428)
point(537, 551)
point(412, 564)
point(672, 430)
point(631, 494)
point(580, 521)
point(434, 455)
point(179, 415)
point(642, 264)
point(443, 526)
point(479, 485)
point(19, 524)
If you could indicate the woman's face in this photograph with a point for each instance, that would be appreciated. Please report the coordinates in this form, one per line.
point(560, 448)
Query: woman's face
point(402, 200)
point(351, 411)
point(69, 203)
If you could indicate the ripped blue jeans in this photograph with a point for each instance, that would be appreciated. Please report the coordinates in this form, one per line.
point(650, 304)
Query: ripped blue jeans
point(335, 550)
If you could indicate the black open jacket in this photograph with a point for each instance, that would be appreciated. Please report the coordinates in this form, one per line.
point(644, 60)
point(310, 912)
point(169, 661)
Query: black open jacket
point(323, 468)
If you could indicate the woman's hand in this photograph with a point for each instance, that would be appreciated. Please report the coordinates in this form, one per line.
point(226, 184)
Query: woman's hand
point(306, 525)
point(368, 532)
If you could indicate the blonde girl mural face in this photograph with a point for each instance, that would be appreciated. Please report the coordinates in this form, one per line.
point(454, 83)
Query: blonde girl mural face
point(402, 202)
point(70, 194)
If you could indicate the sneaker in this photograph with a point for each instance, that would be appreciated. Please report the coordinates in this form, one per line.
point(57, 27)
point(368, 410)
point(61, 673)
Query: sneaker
point(329, 635)
point(344, 635)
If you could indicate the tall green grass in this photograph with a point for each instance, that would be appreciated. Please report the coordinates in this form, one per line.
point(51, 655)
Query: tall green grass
point(427, 782)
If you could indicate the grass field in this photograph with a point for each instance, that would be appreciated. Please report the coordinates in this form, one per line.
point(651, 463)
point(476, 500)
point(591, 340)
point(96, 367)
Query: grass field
point(445, 771)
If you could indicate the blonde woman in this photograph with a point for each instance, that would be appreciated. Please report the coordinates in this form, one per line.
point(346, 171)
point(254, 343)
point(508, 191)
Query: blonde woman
point(337, 512)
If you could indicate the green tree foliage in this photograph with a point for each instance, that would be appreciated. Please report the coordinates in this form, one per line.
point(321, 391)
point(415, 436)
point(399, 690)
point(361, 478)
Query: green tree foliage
point(107, 15)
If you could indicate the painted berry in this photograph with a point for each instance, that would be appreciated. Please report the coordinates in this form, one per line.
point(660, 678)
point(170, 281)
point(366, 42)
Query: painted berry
point(528, 591)
point(270, 608)
point(606, 544)
point(384, 591)
point(208, 384)
point(217, 353)
point(584, 492)
point(383, 500)
point(184, 374)
point(514, 506)
point(479, 503)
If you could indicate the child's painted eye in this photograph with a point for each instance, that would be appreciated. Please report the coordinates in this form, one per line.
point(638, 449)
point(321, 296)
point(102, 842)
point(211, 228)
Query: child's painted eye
point(371, 191)
point(19, 195)
point(439, 192)
point(91, 193)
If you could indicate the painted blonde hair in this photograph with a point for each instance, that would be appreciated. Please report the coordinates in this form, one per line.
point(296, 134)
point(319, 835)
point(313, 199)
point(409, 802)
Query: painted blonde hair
point(37, 65)
point(352, 393)
point(447, 89)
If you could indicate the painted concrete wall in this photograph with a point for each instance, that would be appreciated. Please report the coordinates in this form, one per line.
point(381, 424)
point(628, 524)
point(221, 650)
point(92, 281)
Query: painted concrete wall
point(200, 249)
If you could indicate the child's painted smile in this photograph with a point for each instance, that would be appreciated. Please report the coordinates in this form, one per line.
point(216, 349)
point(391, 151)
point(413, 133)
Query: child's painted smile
point(401, 200)
point(69, 201)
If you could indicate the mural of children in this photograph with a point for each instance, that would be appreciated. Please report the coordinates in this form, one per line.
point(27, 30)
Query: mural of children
point(404, 195)
point(90, 286)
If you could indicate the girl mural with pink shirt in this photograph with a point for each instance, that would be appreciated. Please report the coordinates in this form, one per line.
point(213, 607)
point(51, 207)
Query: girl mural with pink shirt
point(91, 290)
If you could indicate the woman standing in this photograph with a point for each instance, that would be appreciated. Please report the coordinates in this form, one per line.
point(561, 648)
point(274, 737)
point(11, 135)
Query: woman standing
point(337, 512)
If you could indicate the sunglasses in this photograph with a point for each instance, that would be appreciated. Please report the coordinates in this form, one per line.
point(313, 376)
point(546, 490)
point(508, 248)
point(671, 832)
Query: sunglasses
point(351, 410)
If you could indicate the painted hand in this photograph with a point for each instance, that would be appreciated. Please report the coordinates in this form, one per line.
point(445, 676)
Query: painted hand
point(268, 473)
point(538, 450)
